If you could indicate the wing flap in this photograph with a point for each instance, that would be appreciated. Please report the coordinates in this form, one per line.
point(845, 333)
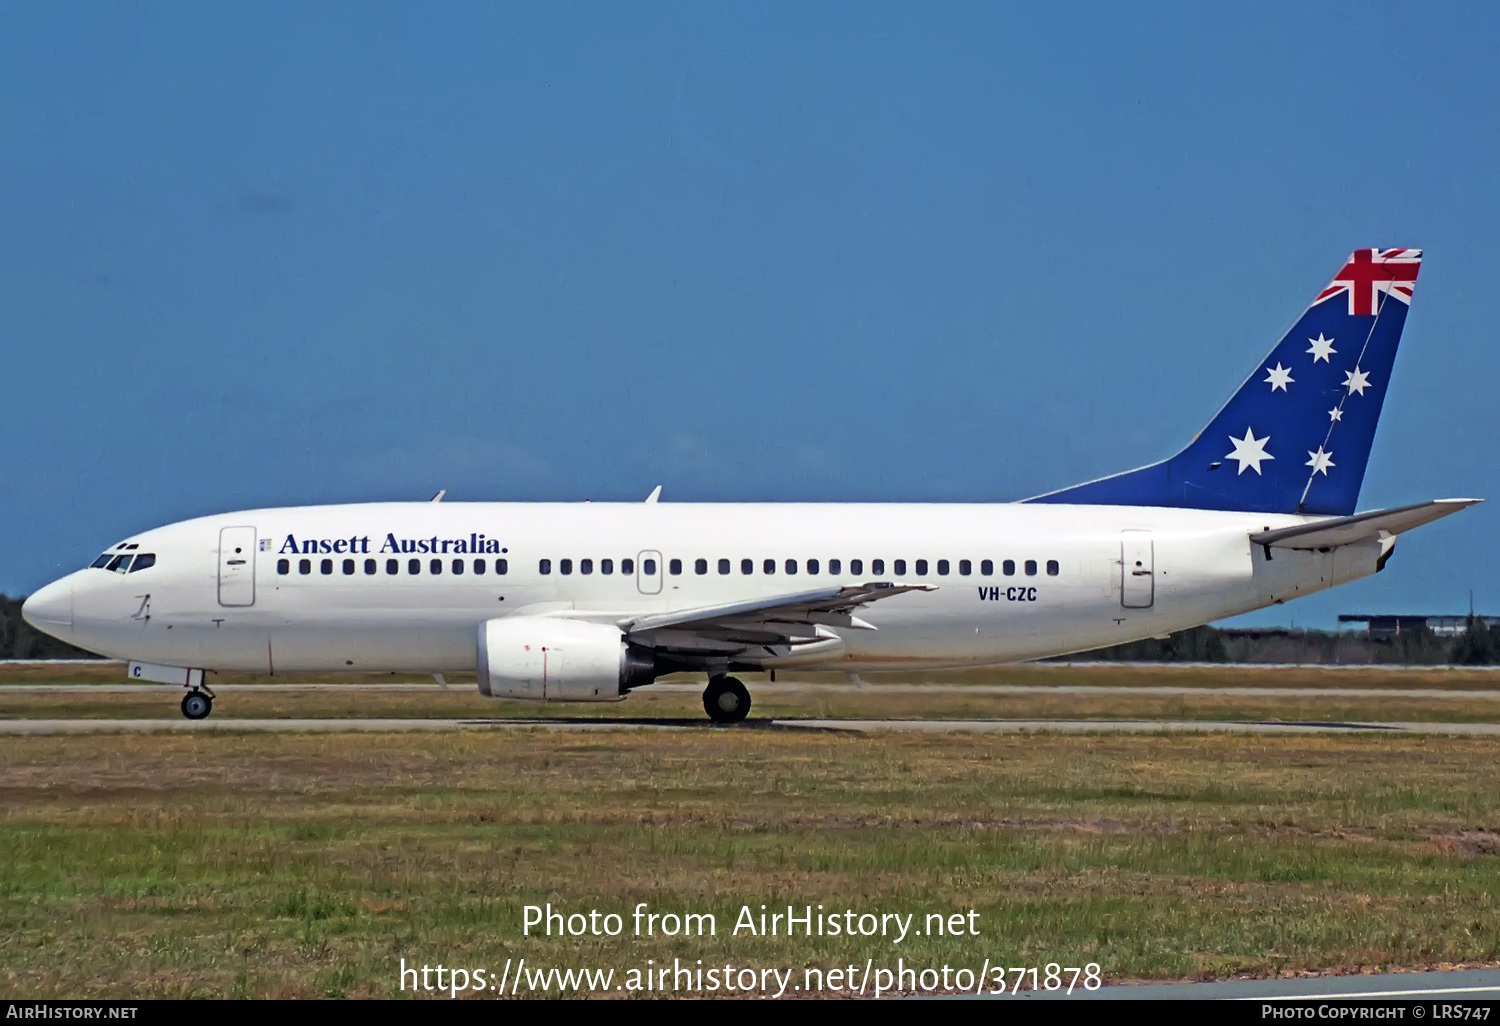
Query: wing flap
point(1326, 534)
point(778, 622)
point(831, 605)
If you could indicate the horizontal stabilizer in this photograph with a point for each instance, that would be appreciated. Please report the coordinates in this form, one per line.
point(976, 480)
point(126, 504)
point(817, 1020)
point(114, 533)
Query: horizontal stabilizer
point(1326, 534)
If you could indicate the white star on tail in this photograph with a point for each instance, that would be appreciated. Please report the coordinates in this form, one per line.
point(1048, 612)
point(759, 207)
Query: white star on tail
point(1249, 451)
point(1356, 381)
point(1320, 461)
point(1279, 378)
point(1335, 414)
point(1322, 348)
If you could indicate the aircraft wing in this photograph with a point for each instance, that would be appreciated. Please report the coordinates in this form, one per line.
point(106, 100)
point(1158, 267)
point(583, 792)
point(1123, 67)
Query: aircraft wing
point(1335, 531)
point(779, 622)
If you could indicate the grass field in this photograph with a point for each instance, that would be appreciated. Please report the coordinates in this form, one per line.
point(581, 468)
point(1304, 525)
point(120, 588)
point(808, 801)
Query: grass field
point(304, 865)
point(949, 699)
point(688, 706)
point(289, 865)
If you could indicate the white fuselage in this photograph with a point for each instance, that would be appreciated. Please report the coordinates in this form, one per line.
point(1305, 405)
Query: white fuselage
point(1116, 574)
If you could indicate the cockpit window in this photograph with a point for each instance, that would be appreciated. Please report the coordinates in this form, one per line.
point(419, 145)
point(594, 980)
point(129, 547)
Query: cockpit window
point(118, 559)
point(124, 562)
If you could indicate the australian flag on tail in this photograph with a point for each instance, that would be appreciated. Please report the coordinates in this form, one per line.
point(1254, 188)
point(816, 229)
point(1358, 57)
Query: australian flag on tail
point(1296, 436)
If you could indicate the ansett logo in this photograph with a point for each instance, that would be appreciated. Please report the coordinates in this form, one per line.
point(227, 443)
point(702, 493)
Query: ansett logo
point(360, 544)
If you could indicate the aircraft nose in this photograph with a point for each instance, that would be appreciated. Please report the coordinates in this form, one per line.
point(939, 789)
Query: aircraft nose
point(50, 610)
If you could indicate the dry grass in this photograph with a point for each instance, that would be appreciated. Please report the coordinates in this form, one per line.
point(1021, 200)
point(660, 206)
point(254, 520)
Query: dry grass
point(303, 865)
point(464, 701)
point(1098, 674)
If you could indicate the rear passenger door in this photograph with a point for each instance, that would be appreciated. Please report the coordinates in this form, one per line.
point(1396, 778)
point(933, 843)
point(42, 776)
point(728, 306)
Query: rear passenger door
point(1137, 570)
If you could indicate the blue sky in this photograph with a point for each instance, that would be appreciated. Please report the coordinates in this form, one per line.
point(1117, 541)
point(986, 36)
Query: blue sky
point(270, 255)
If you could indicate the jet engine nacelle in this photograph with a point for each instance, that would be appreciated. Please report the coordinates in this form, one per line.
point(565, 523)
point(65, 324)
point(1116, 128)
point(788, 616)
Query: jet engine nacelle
point(556, 660)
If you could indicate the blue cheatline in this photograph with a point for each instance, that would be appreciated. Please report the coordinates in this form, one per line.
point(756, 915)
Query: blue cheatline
point(1297, 435)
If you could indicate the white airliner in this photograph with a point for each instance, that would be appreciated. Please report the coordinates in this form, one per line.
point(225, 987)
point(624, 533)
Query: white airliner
point(585, 602)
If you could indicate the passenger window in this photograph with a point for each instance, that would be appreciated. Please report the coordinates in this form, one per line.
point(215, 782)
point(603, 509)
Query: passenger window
point(1031, 568)
point(856, 566)
point(326, 566)
point(769, 566)
point(585, 566)
point(348, 567)
point(834, 566)
point(627, 566)
point(143, 561)
point(877, 566)
point(283, 566)
point(921, 568)
point(393, 566)
point(502, 566)
point(987, 567)
point(1053, 569)
point(304, 566)
point(965, 568)
point(120, 564)
point(812, 566)
point(1008, 568)
point(674, 567)
point(700, 566)
point(435, 567)
point(565, 566)
point(648, 566)
point(606, 567)
point(458, 566)
point(900, 567)
point(723, 566)
point(479, 566)
point(413, 566)
point(544, 566)
point(370, 566)
point(747, 566)
point(791, 566)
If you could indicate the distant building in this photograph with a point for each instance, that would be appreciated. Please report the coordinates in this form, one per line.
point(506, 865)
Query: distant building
point(1385, 627)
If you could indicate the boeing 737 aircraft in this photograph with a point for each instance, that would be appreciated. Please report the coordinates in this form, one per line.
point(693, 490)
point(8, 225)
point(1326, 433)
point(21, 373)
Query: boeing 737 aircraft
point(587, 602)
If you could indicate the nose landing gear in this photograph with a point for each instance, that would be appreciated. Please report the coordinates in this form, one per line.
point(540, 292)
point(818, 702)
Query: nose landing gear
point(198, 703)
point(726, 700)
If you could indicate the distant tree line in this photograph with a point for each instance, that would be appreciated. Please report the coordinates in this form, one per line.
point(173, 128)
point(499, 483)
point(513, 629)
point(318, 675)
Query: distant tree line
point(19, 640)
point(1477, 646)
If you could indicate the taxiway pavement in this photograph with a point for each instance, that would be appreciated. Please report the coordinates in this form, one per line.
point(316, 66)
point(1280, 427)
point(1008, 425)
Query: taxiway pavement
point(334, 725)
point(792, 687)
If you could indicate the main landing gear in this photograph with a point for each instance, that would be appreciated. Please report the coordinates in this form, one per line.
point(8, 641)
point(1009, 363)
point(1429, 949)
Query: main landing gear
point(198, 703)
point(726, 700)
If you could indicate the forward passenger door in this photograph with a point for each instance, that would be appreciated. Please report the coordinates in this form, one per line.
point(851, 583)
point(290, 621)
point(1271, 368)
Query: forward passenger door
point(237, 566)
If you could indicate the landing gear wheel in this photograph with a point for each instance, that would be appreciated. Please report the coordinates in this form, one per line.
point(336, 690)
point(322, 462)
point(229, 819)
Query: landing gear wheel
point(726, 700)
point(196, 705)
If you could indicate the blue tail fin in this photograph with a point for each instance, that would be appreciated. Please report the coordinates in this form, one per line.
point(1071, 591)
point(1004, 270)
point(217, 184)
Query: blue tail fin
point(1297, 435)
